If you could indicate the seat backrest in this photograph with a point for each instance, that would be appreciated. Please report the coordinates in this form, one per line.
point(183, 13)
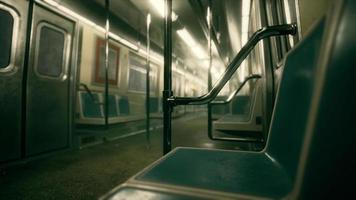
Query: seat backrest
point(293, 101)
point(112, 106)
point(241, 105)
point(153, 104)
point(90, 105)
point(328, 166)
point(124, 106)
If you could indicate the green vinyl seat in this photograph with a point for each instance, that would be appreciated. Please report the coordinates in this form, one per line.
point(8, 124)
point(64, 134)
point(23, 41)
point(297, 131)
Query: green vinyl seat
point(124, 106)
point(269, 173)
point(309, 152)
point(113, 111)
point(90, 106)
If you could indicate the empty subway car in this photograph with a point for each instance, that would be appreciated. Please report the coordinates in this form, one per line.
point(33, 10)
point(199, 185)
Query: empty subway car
point(53, 76)
point(177, 99)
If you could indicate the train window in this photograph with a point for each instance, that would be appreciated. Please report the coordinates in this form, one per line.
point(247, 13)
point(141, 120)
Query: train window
point(153, 78)
point(175, 83)
point(178, 84)
point(137, 74)
point(50, 60)
point(100, 63)
point(8, 24)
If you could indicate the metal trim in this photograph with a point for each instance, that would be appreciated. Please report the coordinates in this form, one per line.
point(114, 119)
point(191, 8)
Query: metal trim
point(11, 67)
point(265, 32)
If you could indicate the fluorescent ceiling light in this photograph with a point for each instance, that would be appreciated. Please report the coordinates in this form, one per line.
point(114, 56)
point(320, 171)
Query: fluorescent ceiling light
point(158, 5)
point(186, 37)
point(189, 40)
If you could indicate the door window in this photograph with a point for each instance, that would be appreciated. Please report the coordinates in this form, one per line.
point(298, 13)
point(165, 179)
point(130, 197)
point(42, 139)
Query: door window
point(8, 24)
point(50, 51)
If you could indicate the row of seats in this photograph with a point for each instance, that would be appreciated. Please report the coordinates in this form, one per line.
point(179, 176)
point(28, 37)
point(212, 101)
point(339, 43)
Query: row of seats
point(239, 105)
point(91, 108)
point(310, 150)
point(245, 118)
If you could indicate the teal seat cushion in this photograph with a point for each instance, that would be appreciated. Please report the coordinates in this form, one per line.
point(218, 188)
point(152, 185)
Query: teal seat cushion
point(234, 118)
point(153, 104)
point(225, 171)
point(112, 106)
point(90, 106)
point(124, 106)
point(128, 192)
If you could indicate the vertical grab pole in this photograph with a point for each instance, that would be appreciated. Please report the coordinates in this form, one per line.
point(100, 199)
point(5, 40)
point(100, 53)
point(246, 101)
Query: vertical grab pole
point(167, 90)
point(148, 81)
point(209, 69)
point(107, 29)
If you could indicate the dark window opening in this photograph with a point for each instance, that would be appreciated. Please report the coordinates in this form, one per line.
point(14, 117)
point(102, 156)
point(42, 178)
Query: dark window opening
point(51, 52)
point(6, 24)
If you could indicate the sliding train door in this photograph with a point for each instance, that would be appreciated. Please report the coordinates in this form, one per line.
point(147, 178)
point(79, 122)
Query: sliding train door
point(48, 123)
point(13, 22)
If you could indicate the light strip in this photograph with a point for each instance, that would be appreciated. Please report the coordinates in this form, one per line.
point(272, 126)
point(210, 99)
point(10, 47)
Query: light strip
point(189, 40)
point(158, 5)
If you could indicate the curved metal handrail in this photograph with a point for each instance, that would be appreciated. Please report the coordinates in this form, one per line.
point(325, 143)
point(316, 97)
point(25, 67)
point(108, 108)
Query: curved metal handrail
point(233, 94)
point(86, 88)
point(265, 32)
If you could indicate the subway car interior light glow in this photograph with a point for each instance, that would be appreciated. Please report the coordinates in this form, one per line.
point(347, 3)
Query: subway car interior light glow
point(177, 99)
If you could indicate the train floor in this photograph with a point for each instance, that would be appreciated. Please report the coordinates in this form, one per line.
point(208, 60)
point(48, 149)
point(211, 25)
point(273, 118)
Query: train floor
point(90, 172)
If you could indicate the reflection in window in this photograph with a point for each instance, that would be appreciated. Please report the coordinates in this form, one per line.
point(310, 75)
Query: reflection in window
point(137, 78)
point(176, 84)
point(153, 78)
point(6, 24)
point(100, 63)
point(50, 57)
point(137, 75)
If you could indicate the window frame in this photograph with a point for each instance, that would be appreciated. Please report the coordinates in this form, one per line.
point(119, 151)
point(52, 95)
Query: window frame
point(66, 51)
point(15, 29)
point(97, 79)
point(153, 67)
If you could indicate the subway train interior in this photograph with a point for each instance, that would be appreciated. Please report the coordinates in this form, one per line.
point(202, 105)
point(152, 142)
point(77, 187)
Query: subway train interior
point(177, 99)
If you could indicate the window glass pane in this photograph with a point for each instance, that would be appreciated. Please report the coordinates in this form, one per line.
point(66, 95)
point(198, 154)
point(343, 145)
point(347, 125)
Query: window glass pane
point(137, 77)
point(6, 24)
point(153, 78)
point(113, 63)
point(51, 52)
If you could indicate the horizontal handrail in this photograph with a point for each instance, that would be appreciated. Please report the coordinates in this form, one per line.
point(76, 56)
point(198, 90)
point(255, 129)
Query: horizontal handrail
point(232, 95)
point(86, 88)
point(265, 32)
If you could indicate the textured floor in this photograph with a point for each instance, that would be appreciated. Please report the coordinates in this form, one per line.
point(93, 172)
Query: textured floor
point(91, 172)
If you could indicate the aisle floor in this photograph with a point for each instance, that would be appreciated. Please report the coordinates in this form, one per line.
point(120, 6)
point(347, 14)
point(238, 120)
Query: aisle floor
point(91, 172)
